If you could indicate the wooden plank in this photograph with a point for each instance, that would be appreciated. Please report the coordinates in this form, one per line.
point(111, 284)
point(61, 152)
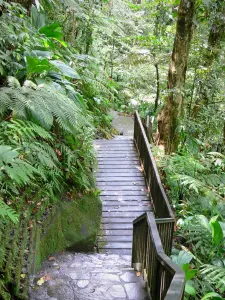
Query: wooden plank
point(114, 146)
point(114, 238)
point(123, 188)
point(119, 151)
point(121, 226)
point(123, 220)
point(126, 203)
point(117, 251)
point(118, 164)
point(123, 193)
point(131, 171)
point(114, 141)
point(117, 155)
point(133, 179)
point(115, 245)
point(124, 198)
point(139, 208)
point(122, 173)
point(122, 184)
point(122, 214)
point(117, 232)
point(123, 161)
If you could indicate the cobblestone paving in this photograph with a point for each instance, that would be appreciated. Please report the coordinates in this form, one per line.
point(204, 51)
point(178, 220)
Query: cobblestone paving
point(78, 276)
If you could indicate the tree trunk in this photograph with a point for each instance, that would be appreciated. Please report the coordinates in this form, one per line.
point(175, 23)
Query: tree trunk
point(73, 28)
point(158, 87)
point(168, 119)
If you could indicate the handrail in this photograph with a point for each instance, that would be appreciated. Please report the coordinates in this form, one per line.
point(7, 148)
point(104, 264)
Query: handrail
point(152, 238)
point(158, 196)
point(165, 280)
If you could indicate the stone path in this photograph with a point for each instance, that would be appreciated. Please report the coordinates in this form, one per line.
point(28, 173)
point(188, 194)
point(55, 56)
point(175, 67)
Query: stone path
point(123, 124)
point(78, 276)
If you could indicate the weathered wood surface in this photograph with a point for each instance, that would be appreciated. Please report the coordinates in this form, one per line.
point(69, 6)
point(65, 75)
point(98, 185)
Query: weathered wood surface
point(123, 193)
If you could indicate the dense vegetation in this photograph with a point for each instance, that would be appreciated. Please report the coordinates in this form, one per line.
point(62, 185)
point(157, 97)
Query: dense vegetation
point(63, 64)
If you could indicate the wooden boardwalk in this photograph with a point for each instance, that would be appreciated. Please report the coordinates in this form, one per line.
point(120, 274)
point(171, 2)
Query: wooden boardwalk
point(123, 193)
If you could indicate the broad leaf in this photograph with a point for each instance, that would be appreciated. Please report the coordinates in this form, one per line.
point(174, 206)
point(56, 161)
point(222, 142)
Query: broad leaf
point(189, 289)
point(203, 221)
point(189, 273)
point(37, 66)
point(182, 258)
point(54, 30)
point(38, 19)
point(217, 233)
point(212, 296)
point(65, 69)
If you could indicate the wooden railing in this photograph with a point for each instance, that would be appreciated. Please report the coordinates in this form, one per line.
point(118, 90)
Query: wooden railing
point(153, 234)
point(165, 280)
point(158, 197)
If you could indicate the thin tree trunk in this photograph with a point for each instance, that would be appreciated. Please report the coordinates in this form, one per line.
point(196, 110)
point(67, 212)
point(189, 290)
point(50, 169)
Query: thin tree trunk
point(158, 87)
point(168, 119)
point(73, 29)
point(192, 93)
point(112, 56)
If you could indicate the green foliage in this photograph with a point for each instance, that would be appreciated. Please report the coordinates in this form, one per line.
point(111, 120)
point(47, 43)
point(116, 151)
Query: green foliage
point(214, 275)
point(7, 212)
point(54, 100)
point(47, 106)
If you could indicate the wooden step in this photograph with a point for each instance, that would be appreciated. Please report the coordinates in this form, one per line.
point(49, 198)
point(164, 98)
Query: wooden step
point(117, 232)
point(123, 220)
point(123, 188)
point(125, 203)
point(118, 208)
point(121, 226)
point(117, 183)
point(122, 214)
point(125, 197)
point(115, 238)
point(115, 245)
point(123, 193)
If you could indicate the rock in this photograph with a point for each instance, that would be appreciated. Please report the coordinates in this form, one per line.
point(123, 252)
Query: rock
point(82, 283)
point(130, 277)
point(135, 291)
point(117, 291)
point(80, 274)
point(106, 277)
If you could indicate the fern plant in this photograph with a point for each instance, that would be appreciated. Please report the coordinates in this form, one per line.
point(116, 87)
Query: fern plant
point(214, 276)
point(7, 212)
point(42, 105)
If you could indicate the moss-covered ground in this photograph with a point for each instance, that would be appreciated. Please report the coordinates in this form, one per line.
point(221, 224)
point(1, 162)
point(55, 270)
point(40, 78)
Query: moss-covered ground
point(71, 224)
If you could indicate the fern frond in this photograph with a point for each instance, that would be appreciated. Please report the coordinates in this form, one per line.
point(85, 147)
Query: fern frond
point(7, 212)
point(43, 105)
point(214, 275)
point(25, 130)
